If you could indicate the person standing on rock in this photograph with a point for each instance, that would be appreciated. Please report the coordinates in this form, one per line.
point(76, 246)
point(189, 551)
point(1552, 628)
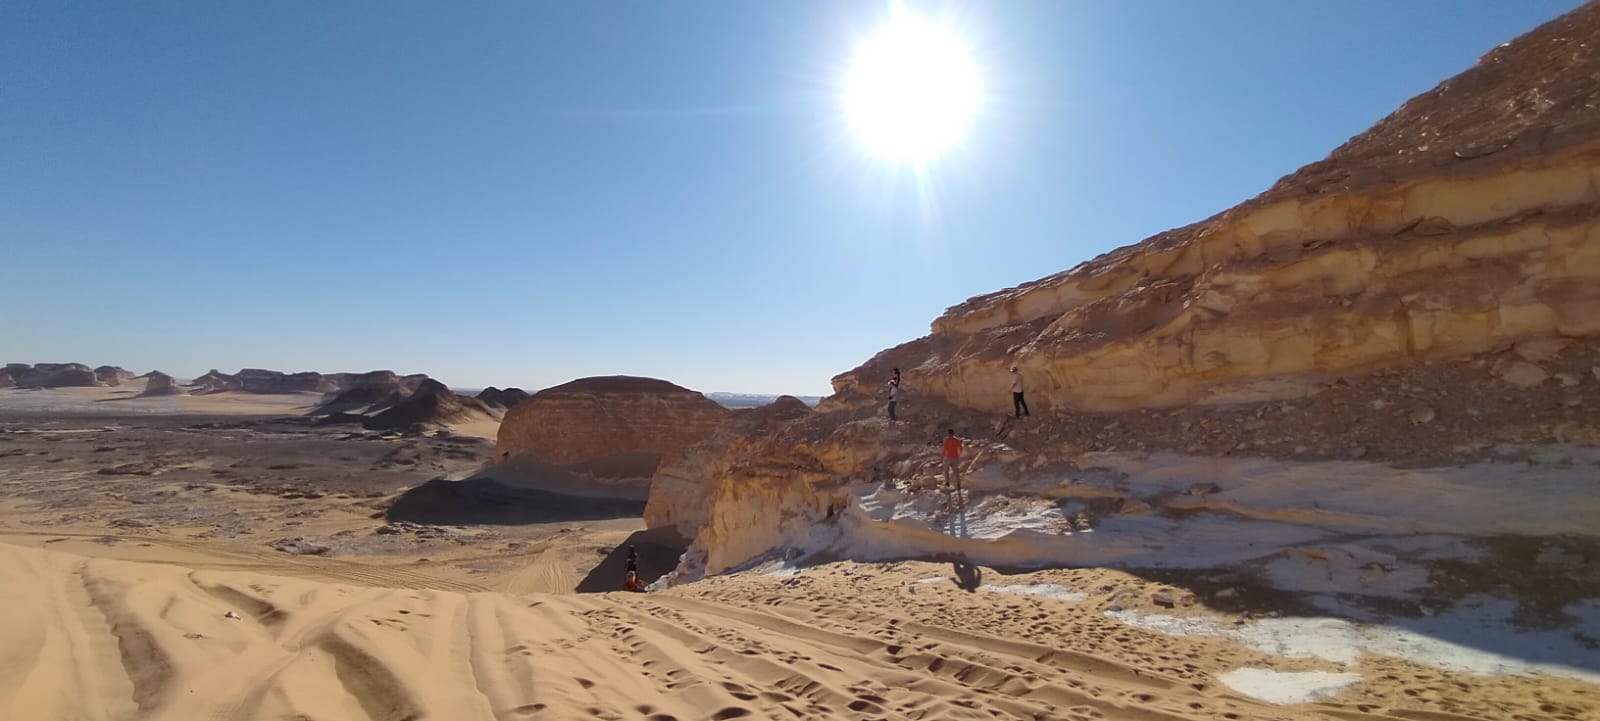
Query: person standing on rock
point(952, 460)
point(1016, 393)
point(894, 397)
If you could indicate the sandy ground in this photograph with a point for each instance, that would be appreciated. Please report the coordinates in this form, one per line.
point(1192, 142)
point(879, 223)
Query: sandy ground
point(234, 562)
point(217, 485)
point(111, 639)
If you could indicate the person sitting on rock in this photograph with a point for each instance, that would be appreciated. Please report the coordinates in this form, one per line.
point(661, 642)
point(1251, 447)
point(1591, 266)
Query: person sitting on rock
point(631, 582)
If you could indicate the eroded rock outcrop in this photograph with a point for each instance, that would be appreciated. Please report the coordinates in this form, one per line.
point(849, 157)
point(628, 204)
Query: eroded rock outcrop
point(160, 384)
point(113, 375)
point(256, 380)
point(679, 495)
point(214, 381)
point(613, 426)
point(503, 398)
point(51, 375)
point(431, 404)
point(1430, 291)
point(363, 393)
point(1466, 221)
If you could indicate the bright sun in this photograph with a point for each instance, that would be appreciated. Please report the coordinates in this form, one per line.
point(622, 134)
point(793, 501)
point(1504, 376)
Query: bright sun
point(911, 90)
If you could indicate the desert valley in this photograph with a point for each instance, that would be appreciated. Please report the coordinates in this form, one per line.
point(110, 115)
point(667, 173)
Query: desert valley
point(1333, 453)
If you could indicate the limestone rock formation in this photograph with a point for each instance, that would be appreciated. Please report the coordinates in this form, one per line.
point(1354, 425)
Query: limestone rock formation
point(680, 495)
point(614, 426)
point(1466, 221)
point(214, 381)
point(1427, 292)
point(506, 398)
point(113, 375)
point(361, 393)
point(160, 384)
point(51, 375)
point(431, 404)
point(256, 380)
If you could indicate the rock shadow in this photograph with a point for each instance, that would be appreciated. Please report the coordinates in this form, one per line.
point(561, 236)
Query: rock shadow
point(485, 501)
point(659, 550)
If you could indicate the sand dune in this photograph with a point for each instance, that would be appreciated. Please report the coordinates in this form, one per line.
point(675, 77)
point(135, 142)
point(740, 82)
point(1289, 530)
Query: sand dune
point(104, 639)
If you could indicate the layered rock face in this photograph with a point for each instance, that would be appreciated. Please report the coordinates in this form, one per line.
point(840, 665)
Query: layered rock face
point(596, 421)
point(1429, 291)
point(1466, 221)
point(50, 375)
point(256, 380)
point(679, 495)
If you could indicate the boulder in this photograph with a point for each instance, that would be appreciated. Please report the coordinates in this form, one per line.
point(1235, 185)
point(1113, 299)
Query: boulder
point(1523, 374)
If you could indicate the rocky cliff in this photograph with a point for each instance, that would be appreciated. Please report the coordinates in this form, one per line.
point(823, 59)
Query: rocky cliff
point(679, 495)
point(49, 375)
point(1428, 294)
point(616, 426)
point(1466, 221)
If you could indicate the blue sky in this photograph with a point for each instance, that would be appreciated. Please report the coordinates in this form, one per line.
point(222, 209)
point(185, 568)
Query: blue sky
point(522, 193)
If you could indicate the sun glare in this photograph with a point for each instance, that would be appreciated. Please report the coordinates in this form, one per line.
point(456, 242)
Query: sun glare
point(911, 89)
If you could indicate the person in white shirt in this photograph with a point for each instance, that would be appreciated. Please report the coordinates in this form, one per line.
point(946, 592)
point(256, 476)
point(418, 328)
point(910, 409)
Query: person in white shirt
point(1016, 394)
point(894, 396)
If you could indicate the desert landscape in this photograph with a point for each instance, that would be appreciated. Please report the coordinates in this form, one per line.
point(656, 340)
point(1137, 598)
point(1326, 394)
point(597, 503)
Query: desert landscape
point(1332, 453)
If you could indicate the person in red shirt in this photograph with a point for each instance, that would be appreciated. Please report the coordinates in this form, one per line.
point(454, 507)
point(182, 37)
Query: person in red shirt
point(952, 460)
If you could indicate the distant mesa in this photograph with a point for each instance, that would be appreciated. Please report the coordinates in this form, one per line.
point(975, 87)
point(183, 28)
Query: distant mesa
point(48, 375)
point(256, 380)
point(366, 393)
point(160, 384)
point(214, 381)
point(113, 375)
point(431, 404)
point(614, 429)
point(756, 400)
point(507, 398)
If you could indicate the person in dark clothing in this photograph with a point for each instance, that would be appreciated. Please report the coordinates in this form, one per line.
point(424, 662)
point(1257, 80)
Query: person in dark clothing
point(894, 397)
point(630, 578)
